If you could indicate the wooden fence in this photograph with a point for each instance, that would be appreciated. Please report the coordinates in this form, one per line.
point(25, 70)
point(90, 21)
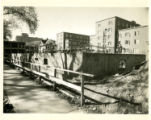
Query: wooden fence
point(36, 69)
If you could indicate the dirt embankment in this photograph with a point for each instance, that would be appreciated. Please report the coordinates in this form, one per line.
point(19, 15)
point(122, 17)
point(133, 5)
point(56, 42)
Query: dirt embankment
point(132, 87)
point(129, 90)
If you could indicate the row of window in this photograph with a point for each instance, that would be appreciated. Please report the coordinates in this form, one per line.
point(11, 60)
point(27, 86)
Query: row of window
point(77, 43)
point(127, 34)
point(106, 30)
point(45, 62)
point(76, 36)
point(110, 22)
point(104, 37)
point(135, 42)
point(120, 24)
point(134, 50)
point(77, 40)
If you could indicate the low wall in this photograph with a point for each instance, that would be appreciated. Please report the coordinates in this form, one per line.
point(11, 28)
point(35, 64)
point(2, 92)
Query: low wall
point(109, 64)
point(94, 63)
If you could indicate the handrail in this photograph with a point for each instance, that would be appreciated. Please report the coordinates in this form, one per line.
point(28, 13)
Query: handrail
point(56, 80)
point(66, 70)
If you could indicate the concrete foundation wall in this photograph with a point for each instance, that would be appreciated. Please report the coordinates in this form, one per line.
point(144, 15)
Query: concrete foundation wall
point(94, 63)
point(108, 64)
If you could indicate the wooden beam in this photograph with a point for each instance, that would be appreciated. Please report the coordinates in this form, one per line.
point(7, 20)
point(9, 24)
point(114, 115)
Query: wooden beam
point(71, 71)
point(82, 91)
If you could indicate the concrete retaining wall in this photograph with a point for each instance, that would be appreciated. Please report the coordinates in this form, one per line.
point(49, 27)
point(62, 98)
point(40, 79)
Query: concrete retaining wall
point(109, 64)
point(95, 63)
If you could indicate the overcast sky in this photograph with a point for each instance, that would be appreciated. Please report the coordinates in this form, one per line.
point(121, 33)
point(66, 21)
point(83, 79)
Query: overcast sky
point(53, 20)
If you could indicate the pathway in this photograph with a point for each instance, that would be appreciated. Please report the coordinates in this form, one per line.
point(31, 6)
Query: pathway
point(29, 97)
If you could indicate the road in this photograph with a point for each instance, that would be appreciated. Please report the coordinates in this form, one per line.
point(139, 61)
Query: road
point(27, 96)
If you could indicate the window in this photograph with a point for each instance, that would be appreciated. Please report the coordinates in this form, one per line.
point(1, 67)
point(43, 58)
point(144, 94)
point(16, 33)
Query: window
point(135, 33)
point(66, 35)
point(118, 24)
point(99, 44)
point(120, 35)
point(127, 25)
point(110, 22)
point(136, 51)
point(70, 35)
point(109, 29)
point(109, 43)
point(99, 25)
point(127, 34)
point(122, 64)
point(109, 36)
point(136, 41)
point(45, 61)
point(127, 42)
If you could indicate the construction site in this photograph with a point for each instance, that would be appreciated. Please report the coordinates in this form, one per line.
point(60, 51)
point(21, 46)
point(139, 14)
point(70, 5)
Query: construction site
point(75, 75)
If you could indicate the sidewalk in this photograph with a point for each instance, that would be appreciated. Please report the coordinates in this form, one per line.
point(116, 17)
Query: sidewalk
point(29, 97)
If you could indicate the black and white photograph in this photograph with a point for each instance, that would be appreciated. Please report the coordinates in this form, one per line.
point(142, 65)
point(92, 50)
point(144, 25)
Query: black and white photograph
point(75, 60)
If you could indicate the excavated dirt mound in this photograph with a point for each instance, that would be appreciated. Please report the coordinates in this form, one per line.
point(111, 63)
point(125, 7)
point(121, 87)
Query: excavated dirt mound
point(132, 87)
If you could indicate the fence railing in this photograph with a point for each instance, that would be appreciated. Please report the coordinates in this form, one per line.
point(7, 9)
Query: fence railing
point(37, 67)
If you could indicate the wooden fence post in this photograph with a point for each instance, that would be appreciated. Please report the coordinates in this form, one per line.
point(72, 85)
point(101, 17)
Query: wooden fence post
point(55, 72)
point(82, 91)
point(54, 84)
point(31, 66)
point(39, 79)
point(39, 68)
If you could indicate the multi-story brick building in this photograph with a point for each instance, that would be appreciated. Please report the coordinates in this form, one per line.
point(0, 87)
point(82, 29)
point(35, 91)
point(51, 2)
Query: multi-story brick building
point(31, 43)
point(13, 47)
point(32, 47)
point(134, 40)
point(107, 32)
point(70, 41)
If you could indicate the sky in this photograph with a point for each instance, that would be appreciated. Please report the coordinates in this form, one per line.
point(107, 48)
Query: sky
point(53, 20)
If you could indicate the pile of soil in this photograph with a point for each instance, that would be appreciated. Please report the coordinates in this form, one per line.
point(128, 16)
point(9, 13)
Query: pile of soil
point(132, 87)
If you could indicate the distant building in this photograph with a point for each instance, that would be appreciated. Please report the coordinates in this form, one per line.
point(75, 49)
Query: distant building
point(31, 43)
point(13, 47)
point(51, 46)
point(42, 46)
point(134, 40)
point(48, 45)
point(70, 41)
point(107, 32)
point(25, 38)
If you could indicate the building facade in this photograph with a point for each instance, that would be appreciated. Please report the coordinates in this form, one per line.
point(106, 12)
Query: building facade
point(71, 41)
point(31, 43)
point(134, 40)
point(48, 45)
point(13, 47)
point(107, 32)
point(51, 46)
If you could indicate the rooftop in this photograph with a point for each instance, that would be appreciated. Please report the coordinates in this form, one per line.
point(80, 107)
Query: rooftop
point(133, 28)
point(114, 17)
point(33, 43)
point(50, 41)
point(74, 33)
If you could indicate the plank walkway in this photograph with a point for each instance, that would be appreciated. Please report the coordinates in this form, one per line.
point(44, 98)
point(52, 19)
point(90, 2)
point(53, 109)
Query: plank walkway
point(29, 97)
